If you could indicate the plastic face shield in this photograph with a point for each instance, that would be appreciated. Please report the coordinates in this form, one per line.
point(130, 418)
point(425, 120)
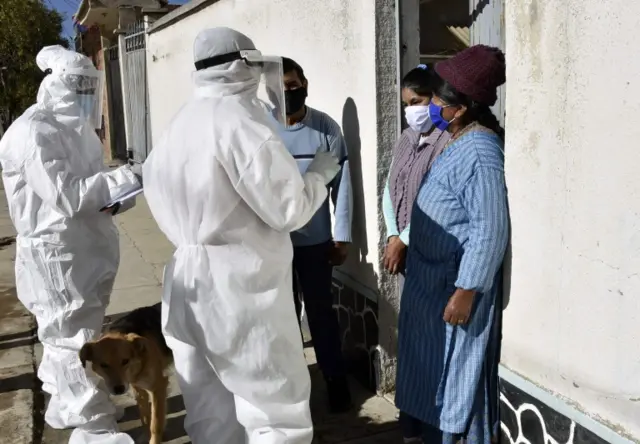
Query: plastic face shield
point(88, 86)
point(271, 87)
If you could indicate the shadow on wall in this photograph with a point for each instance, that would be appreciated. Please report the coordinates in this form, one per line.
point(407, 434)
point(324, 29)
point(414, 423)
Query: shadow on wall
point(357, 260)
point(370, 330)
point(508, 254)
point(506, 270)
point(357, 314)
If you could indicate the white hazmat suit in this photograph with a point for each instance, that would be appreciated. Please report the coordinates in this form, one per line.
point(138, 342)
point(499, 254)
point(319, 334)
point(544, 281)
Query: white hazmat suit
point(227, 193)
point(67, 252)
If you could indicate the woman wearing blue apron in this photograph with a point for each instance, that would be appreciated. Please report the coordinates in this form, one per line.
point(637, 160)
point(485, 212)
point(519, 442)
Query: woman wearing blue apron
point(450, 315)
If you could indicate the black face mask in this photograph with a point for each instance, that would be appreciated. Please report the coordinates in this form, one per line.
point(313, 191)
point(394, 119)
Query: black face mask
point(294, 99)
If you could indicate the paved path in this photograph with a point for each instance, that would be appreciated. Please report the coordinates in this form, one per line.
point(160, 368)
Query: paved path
point(144, 251)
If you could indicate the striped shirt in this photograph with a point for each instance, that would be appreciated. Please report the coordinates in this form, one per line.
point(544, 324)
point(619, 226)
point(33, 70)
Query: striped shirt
point(317, 131)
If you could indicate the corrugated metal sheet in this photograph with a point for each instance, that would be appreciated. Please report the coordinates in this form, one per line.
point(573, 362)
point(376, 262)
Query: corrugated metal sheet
point(462, 34)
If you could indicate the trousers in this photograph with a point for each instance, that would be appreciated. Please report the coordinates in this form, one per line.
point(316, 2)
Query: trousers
point(68, 295)
point(237, 353)
point(314, 275)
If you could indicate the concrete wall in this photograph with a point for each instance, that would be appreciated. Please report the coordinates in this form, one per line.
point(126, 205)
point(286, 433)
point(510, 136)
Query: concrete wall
point(334, 42)
point(572, 325)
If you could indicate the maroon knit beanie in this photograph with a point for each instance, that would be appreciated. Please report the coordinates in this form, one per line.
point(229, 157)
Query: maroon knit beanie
point(476, 72)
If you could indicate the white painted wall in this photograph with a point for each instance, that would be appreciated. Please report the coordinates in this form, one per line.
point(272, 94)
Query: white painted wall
point(573, 171)
point(334, 42)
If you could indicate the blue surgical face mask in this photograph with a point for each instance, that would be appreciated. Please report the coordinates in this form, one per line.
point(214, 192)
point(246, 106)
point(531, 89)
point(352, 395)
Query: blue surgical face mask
point(418, 118)
point(435, 113)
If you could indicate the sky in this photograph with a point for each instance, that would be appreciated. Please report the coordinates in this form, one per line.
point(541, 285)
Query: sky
point(69, 7)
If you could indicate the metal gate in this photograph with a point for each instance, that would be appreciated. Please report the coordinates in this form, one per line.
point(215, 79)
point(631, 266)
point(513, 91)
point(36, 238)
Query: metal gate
point(136, 93)
point(487, 28)
point(114, 99)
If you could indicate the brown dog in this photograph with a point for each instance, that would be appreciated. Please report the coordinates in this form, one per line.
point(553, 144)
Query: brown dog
point(133, 352)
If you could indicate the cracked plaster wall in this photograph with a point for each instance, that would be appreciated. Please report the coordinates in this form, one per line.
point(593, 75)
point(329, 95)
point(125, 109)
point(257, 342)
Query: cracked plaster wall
point(572, 156)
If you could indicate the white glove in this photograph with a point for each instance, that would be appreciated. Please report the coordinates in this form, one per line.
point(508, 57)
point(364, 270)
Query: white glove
point(325, 164)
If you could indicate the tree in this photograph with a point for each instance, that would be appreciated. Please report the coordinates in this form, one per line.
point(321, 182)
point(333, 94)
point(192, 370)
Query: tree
point(25, 27)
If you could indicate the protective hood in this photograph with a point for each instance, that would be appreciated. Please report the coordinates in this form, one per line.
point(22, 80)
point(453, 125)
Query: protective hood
point(229, 78)
point(71, 81)
point(227, 63)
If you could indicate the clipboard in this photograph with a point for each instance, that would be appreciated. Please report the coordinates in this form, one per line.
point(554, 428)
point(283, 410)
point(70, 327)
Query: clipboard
point(122, 197)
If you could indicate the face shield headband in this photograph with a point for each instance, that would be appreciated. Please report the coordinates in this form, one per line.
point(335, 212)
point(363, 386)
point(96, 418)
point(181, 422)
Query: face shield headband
point(271, 87)
point(222, 59)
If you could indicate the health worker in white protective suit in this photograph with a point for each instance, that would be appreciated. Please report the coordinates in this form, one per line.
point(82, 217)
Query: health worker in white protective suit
point(67, 251)
point(227, 193)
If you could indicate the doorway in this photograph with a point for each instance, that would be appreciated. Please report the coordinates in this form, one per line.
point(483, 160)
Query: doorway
point(449, 27)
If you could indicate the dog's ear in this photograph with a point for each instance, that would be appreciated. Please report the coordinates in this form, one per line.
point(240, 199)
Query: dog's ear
point(139, 344)
point(86, 353)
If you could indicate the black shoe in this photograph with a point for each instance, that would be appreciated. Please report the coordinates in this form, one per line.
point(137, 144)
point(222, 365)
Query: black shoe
point(339, 395)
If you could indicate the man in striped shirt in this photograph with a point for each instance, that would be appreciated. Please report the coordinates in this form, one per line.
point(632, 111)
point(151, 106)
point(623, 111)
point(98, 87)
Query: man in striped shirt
point(316, 249)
